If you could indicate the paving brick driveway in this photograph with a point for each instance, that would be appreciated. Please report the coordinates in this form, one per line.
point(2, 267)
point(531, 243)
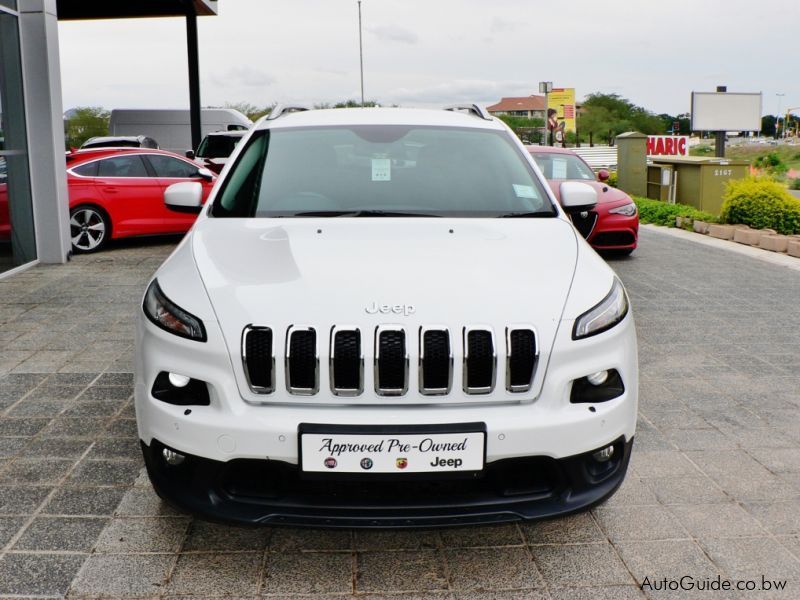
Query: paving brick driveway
point(714, 485)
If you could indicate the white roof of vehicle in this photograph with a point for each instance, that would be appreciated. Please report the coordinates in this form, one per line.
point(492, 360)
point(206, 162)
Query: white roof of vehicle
point(379, 116)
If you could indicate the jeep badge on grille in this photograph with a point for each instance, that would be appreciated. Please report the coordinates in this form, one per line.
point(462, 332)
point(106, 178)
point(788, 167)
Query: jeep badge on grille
point(385, 309)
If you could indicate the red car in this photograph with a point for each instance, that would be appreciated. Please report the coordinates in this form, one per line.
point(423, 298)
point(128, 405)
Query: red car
point(119, 192)
point(613, 225)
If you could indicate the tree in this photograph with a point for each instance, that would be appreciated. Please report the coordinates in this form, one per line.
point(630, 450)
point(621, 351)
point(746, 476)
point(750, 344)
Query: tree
point(605, 116)
point(768, 125)
point(84, 123)
point(251, 111)
point(350, 103)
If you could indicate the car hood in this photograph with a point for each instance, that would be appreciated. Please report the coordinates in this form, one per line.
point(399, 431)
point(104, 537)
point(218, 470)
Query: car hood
point(605, 193)
point(326, 272)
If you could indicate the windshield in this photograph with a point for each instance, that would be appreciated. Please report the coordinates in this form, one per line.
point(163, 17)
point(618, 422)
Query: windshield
point(381, 170)
point(217, 146)
point(562, 166)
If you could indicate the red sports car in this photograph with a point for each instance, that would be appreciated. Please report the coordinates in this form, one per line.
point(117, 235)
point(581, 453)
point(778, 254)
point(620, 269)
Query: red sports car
point(119, 192)
point(613, 225)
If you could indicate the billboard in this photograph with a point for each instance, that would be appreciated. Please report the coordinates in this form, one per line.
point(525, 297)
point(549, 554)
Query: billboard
point(726, 111)
point(561, 112)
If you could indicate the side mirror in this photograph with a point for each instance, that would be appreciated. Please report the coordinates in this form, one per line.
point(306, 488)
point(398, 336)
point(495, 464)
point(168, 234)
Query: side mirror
point(577, 197)
point(186, 197)
point(190, 154)
point(205, 173)
point(603, 175)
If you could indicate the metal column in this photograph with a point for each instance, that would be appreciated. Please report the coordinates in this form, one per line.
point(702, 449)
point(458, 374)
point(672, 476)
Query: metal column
point(194, 75)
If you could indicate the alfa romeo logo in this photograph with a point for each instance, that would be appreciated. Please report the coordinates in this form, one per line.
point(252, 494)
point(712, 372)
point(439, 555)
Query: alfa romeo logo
point(366, 464)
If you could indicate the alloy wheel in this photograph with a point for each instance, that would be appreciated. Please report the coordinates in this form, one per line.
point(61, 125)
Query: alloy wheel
point(87, 229)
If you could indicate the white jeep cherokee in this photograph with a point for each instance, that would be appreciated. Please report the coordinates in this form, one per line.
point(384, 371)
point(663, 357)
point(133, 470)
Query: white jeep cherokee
point(382, 317)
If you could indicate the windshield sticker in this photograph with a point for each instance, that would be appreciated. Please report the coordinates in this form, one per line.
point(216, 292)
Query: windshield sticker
point(559, 168)
point(524, 191)
point(381, 169)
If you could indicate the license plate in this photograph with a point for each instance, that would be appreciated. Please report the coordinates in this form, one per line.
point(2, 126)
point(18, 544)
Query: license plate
point(392, 453)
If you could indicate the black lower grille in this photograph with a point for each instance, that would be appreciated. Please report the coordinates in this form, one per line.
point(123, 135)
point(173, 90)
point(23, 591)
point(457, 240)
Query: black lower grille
point(521, 359)
point(258, 358)
point(346, 361)
point(302, 360)
point(436, 361)
point(480, 361)
point(584, 224)
point(613, 238)
point(392, 362)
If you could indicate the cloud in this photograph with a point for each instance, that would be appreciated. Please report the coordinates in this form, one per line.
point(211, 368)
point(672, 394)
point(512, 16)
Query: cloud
point(461, 90)
point(502, 25)
point(393, 33)
point(242, 77)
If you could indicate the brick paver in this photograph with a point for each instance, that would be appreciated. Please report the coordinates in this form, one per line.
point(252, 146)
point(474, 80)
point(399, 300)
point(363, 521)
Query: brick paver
point(713, 489)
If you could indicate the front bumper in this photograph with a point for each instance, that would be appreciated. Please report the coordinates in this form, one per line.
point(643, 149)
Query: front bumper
point(256, 492)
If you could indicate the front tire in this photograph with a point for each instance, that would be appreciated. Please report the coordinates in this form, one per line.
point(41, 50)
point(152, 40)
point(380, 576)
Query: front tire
point(89, 228)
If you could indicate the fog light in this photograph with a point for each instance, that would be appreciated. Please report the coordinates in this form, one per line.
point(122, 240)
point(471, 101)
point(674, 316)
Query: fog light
point(604, 455)
point(180, 381)
point(598, 378)
point(172, 458)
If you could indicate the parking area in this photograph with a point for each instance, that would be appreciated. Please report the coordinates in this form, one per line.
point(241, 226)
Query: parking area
point(713, 489)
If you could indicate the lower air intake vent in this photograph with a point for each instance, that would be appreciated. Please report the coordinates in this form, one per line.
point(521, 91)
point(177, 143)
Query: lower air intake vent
point(391, 361)
point(257, 356)
point(479, 361)
point(435, 361)
point(347, 362)
point(302, 361)
point(522, 354)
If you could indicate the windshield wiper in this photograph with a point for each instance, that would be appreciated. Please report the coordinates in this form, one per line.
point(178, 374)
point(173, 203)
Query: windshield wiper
point(358, 213)
point(525, 215)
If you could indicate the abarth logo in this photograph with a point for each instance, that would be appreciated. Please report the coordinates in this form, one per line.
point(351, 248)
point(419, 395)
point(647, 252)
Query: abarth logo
point(401, 463)
point(366, 464)
point(330, 462)
point(385, 309)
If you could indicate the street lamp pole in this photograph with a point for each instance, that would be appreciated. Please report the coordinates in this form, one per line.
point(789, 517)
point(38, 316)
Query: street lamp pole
point(778, 120)
point(361, 53)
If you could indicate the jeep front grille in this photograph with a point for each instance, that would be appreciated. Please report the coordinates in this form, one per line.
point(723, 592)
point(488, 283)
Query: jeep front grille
point(258, 359)
point(302, 361)
point(480, 360)
point(391, 361)
point(521, 356)
point(435, 361)
point(436, 346)
point(346, 362)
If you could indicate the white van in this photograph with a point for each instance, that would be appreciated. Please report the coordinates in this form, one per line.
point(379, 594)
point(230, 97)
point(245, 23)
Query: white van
point(172, 128)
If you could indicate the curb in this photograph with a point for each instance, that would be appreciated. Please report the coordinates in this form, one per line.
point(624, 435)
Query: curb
point(780, 260)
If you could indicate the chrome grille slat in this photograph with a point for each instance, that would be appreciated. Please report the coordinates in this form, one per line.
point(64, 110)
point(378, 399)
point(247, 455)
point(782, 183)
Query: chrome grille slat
point(480, 360)
point(302, 361)
point(346, 361)
point(258, 359)
point(391, 361)
point(435, 361)
point(522, 354)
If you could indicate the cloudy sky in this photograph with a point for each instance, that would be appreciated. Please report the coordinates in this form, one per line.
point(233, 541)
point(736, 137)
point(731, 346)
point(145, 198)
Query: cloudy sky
point(430, 52)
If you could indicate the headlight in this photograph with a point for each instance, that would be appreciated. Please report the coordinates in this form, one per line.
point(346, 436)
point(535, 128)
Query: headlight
point(166, 314)
point(627, 210)
point(610, 311)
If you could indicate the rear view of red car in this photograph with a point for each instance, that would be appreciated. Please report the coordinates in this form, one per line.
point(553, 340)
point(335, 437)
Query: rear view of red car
point(612, 225)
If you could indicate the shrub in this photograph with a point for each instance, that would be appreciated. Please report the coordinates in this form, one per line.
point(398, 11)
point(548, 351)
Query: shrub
point(661, 213)
point(761, 202)
point(794, 184)
point(612, 179)
point(771, 163)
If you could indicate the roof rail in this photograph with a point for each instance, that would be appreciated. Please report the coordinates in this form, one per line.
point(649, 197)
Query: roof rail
point(282, 109)
point(476, 110)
